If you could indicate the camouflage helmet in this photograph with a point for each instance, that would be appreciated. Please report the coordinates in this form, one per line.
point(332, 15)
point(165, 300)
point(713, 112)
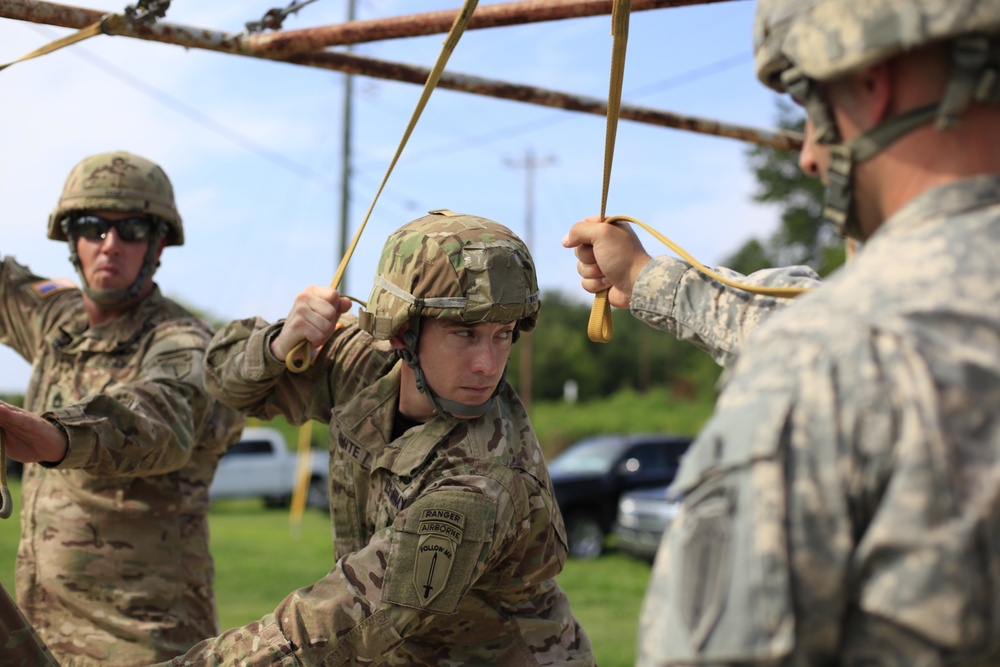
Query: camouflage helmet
point(118, 181)
point(452, 266)
point(826, 39)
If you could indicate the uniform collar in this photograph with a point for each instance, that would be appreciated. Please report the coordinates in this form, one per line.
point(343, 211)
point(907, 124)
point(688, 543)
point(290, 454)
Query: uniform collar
point(118, 333)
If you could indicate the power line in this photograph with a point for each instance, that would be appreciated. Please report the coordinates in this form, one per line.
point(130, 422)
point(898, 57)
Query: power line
point(194, 115)
point(689, 76)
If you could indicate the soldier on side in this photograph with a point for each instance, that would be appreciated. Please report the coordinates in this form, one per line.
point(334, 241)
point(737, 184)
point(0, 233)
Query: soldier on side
point(119, 437)
point(842, 505)
point(447, 536)
point(20, 645)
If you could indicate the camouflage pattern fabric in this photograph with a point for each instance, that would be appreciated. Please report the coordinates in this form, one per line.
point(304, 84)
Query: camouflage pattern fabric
point(842, 506)
point(118, 181)
point(826, 39)
point(20, 645)
point(448, 538)
point(472, 269)
point(113, 565)
point(673, 296)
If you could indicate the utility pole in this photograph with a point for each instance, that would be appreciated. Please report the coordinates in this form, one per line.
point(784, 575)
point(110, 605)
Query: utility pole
point(530, 164)
point(345, 171)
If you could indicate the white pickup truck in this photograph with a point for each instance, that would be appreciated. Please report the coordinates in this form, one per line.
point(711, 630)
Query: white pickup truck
point(261, 465)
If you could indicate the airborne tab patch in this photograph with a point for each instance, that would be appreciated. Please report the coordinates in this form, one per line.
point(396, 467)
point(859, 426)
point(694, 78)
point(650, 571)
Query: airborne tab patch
point(437, 543)
point(46, 288)
point(440, 533)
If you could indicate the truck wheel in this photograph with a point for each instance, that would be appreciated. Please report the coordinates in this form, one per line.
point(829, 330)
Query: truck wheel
point(318, 495)
point(276, 502)
point(585, 535)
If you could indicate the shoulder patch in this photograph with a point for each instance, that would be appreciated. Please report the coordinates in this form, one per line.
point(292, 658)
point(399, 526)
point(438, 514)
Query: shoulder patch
point(436, 550)
point(46, 288)
point(440, 533)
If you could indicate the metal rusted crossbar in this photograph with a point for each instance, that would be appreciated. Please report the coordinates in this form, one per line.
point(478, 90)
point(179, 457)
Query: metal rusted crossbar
point(305, 47)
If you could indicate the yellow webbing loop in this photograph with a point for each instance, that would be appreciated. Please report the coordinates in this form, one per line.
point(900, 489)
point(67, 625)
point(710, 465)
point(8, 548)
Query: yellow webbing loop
point(600, 328)
point(108, 25)
point(782, 292)
point(301, 356)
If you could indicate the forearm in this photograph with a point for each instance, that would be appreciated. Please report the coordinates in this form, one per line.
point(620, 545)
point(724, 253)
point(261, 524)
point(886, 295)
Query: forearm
point(673, 296)
point(147, 423)
point(337, 620)
point(122, 434)
point(242, 372)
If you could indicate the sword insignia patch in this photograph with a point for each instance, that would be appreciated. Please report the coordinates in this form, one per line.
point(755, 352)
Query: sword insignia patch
point(440, 533)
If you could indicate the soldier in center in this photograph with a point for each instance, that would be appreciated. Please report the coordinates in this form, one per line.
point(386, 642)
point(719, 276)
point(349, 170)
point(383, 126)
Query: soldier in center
point(447, 534)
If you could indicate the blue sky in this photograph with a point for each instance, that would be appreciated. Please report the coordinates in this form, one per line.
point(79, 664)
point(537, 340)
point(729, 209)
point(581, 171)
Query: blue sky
point(260, 228)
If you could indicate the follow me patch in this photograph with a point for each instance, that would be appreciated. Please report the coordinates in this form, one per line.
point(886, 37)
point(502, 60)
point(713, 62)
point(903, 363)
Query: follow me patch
point(440, 533)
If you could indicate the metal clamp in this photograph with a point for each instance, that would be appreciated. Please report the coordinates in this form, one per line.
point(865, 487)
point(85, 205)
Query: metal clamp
point(274, 18)
point(147, 11)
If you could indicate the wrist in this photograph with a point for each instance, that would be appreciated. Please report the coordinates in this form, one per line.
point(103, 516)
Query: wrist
point(60, 445)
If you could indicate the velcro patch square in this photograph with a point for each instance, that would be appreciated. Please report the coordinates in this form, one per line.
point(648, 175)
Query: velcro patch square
point(46, 288)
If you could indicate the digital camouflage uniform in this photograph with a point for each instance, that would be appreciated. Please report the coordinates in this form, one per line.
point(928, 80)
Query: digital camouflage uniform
point(447, 538)
point(843, 504)
point(113, 565)
point(673, 296)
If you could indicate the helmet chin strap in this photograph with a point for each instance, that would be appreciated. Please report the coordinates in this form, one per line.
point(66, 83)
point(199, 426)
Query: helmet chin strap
point(838, 200)
point(973, 78)
point(442, 406)
point(113, 299)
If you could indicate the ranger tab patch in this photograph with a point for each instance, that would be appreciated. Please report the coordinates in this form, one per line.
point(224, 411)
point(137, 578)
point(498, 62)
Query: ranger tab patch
point(440, 532)
point(46, 288)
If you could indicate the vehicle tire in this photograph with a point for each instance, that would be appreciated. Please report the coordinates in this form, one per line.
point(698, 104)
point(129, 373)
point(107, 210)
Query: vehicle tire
point(585, 535)
point(277, 502)
point(318, 495)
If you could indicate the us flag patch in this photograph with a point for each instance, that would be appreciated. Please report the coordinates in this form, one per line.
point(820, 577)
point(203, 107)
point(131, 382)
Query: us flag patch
point(45, 288)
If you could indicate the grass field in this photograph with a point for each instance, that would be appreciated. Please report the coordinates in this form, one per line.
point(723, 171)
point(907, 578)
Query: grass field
point(260, 557)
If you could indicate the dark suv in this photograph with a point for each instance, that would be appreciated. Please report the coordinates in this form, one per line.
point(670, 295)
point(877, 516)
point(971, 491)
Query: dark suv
point(589, 476)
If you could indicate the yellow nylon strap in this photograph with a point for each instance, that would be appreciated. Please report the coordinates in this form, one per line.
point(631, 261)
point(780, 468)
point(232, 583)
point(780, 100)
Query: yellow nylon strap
point(301, 356)
point(782, 292)
point(110, 23)
point(303, 472)
point(600, 328)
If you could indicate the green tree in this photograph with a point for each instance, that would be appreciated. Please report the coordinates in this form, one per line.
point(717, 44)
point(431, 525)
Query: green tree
point(801, 238)
point(638, 358)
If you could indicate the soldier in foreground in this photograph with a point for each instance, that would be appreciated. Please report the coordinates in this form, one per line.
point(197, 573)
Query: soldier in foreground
point(446, 532)
point(120, 438)
point(842, 505)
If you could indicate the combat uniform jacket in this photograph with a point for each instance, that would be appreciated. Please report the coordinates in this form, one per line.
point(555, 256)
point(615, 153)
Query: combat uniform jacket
point(842, 505)
point(448, 539)
point(671, 295)
point(113, 565)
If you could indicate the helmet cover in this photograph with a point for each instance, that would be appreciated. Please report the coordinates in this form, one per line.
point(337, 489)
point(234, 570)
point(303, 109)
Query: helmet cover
point(826, 39)
point(118, 181)
point(452, 266)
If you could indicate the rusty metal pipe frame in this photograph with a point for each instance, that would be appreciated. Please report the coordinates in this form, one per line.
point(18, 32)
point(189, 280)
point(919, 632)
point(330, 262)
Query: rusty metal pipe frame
point(287, 42)
point(349, 63)
point(279, 44)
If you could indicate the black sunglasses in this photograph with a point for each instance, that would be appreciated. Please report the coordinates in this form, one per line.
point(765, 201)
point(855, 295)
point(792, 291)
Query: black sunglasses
point(95, 228)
